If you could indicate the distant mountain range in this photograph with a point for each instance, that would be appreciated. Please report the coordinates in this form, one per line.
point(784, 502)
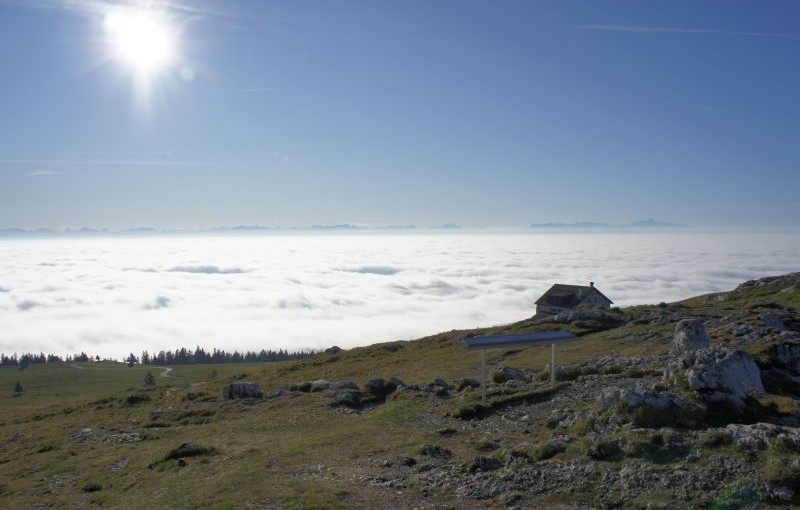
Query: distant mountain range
point(240, 229)
point(649, 223)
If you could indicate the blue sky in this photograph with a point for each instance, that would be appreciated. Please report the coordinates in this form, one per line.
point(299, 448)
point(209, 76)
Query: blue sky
point(482, 113)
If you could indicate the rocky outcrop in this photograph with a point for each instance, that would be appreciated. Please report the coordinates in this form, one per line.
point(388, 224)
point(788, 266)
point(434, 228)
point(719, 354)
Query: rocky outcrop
point(690, 335)
point(240, 390)
point(631, 399)
point(717, 374)
point(723, 373)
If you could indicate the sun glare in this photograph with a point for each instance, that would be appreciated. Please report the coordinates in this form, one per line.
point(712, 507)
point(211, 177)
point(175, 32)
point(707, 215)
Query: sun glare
point(143, 42)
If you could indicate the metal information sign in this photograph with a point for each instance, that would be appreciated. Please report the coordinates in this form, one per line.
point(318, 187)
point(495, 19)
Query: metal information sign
point(518, 340)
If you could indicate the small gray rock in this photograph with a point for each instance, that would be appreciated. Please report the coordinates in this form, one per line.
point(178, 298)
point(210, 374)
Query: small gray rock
point(774, 322)
point(504, 374)
point(484, 463)
point(345, 398)
point(434, 451)
point(239, 390)
point(379, 388)
point(690, 335)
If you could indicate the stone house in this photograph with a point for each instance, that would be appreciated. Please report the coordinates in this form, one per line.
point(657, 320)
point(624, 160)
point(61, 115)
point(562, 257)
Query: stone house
point(560, 298)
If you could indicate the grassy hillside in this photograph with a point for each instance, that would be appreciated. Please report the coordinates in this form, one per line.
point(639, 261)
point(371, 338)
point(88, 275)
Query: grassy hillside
point(94, 435)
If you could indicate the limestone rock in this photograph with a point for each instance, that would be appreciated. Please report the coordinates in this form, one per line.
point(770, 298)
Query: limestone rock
point(788, 354)
point(345, 398)
point(721, 373)
point(320, 385)
point(690, 335)
point(378, 388)
point(632, 399)
point(345, 385)
point(239, 390)
point(774, 321)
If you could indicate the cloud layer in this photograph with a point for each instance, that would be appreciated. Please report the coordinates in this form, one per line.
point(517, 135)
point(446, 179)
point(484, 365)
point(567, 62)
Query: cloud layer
point(114, 296)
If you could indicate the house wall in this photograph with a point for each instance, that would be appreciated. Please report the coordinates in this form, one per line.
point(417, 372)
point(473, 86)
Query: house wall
point(549, 309)
point(594, 299)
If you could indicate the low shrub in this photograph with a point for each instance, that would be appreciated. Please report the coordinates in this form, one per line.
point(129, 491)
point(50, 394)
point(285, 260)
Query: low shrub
point(547, 450)
point(138, 398)
point(602, 449)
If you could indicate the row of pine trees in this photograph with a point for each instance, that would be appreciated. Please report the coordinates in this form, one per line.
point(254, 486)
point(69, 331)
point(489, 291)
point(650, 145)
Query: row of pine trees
point(199, 356)
point(182, 356)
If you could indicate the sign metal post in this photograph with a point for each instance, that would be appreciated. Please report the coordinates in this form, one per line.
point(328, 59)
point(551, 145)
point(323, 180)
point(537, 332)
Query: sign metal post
point(519, 340)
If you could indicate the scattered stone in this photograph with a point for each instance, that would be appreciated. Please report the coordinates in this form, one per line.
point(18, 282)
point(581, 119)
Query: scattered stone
point(467, 383)
point(345, 385)
point(320, 385)
point(632, 399)
point(484, 463)
point(504, 374)
point(124, 438)
point(759, 436)
point(407, 461)
point(438, 387)
point(690, 335)
point(240, 390)
point(434, 451)
point(119, 464)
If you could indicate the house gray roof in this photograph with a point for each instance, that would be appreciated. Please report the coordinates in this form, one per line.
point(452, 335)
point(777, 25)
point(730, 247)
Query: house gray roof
point(569, 296)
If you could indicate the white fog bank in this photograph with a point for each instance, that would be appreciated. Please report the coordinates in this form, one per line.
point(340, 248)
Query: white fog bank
point(112, 296)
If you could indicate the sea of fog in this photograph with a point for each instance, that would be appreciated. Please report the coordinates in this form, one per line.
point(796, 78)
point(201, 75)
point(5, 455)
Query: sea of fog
point(115, 295)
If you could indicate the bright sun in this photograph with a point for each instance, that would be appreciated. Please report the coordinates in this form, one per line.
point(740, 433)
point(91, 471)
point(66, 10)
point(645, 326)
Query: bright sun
point(142, 40)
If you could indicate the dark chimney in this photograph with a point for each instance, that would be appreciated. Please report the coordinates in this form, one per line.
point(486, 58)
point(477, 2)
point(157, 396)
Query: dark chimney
point(591, 284)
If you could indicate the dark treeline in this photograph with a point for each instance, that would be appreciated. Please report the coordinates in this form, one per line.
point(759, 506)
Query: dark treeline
point(199, 356)
point(28, 358)
point(181, 356)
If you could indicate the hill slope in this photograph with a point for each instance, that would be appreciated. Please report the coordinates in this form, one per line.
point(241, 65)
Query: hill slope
point(613, 432)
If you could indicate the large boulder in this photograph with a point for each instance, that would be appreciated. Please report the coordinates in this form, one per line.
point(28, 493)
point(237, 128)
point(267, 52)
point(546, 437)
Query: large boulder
point(240, 390)
point(690, 335)
point(722, 374)
point(378, 388)
point(344, 398)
